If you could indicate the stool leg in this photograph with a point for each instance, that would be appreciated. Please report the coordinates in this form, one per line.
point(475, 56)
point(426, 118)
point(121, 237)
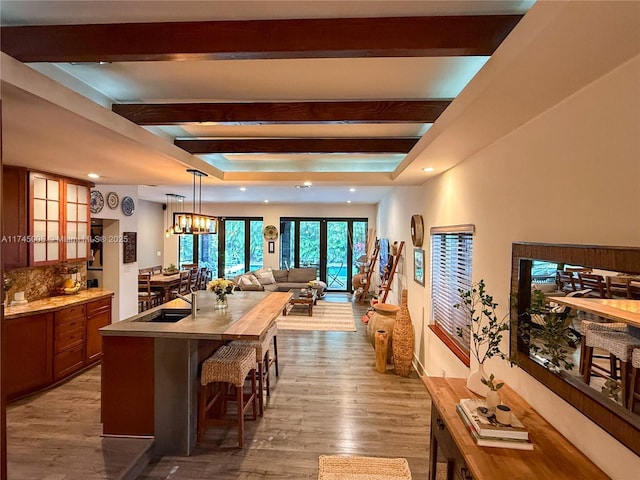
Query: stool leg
point(275, 352)
point(624, 374)
point(632, 388)
point(266, 362)
point(254, 400)
point(240, 401)
point(613, 366)
point(588, 360)
point(261, 386)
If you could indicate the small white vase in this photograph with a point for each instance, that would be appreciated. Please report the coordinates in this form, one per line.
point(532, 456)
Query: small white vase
point(474, 381)
point(493, 399)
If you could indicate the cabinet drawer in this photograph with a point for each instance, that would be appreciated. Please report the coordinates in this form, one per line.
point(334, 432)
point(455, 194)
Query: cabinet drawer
point(70, 313)
point(69, 338)
point(62, 329)
point(68, 361)
point(98, 305)
point(443, 437)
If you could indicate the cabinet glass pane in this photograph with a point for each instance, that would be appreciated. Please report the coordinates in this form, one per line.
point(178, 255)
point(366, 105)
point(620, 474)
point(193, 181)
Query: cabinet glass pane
point(82, 211)
point(72, 193)
point(54, 230)
point(52, 189)
point(82, 193)
point(52, 251)
point(72, 250)
point(40, 209)
point(71, 212)
point(82, 230)
point(40, 230)
point(52, 210)
point(71, 230)
point(39, 187)
point(39, 252)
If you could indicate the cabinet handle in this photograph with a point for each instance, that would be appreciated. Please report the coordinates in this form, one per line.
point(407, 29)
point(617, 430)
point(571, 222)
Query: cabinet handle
point(440, 424)
point(466, 475)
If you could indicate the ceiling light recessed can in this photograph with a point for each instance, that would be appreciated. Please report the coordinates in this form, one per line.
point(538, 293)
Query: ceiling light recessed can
point(428, 169)
point(307, 184)
point(352, 189)
point(93, 175)
point(243, 189)
point(348, 201)
point(266, 201)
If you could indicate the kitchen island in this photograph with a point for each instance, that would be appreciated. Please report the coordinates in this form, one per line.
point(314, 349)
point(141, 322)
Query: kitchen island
point(150, 368)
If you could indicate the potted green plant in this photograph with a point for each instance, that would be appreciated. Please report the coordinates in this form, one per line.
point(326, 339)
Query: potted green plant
point(548, 332)
point(485, 331)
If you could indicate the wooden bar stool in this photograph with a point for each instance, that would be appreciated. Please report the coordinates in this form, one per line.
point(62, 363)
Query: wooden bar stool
point(225, 370)
point(618, 344)
point(633, 382)
point(604, 327)
point(264, 362)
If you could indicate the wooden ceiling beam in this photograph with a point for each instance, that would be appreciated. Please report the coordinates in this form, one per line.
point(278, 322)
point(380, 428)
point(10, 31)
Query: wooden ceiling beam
point(299, 145)
point(376, 111)
point(259, 39)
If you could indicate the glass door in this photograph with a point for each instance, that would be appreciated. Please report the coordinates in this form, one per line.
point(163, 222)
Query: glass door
point(337, 265)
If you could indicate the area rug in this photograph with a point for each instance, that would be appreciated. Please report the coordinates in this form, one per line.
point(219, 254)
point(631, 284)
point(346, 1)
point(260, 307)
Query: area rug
point(327, 316)
point(341, 467)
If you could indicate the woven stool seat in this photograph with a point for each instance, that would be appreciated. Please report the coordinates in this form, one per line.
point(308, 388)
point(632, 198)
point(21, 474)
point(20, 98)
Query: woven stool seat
point(602, 326)
point(230, 364)
point(263, 359)
point(620, 347)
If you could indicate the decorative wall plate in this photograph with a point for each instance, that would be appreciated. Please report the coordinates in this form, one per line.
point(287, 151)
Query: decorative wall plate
point(270, 232)
point(417, 230)
point(112, 200)
point(97, 201)
point(128, 206)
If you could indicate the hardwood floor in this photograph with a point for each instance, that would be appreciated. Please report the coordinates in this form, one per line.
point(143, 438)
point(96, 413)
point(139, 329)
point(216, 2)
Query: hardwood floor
point(327, 400)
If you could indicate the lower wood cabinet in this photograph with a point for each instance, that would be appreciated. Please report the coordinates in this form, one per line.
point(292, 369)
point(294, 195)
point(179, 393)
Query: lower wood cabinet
point(43, 349)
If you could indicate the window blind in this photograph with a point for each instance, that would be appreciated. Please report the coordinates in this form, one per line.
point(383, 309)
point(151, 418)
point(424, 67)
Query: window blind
point(451, 255)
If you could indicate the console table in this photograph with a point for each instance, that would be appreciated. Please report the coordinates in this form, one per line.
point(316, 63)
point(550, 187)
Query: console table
point(553, 456)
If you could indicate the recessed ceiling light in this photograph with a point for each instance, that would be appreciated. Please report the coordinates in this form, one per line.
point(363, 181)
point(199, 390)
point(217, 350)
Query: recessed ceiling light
point(93, 175)
point(348, 201)
point(300, 187)
point(307, 184)
point(243, 189)
point(352, 189)
point(266, 201)
point(428, 169)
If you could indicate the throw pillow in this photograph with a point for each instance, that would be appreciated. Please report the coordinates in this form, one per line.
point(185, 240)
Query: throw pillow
point(246, 280)
point(265, 278)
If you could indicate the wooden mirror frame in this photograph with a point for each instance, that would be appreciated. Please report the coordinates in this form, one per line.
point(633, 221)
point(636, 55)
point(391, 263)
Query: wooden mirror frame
point(618, 422)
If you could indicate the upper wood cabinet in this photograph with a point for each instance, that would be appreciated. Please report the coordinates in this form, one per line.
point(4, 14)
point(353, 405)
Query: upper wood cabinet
point(46, 218)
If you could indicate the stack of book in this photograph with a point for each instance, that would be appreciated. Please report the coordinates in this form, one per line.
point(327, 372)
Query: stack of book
point(486, 430)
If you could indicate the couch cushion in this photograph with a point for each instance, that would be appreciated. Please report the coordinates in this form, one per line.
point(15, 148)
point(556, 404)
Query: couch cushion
point(301, 275)
point(280, 275)
point(246, 280)
point(265, 278)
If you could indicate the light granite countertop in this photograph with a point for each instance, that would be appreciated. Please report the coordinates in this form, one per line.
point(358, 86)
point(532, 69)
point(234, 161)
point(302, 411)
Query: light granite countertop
point(248, 317)
point(52, 304)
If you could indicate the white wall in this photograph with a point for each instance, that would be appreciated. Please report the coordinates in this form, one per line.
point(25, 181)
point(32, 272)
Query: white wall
point(570, 175)
point(151, 233)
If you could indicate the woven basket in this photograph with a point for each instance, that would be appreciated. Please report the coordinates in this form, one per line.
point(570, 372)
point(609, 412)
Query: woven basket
point(403, 339)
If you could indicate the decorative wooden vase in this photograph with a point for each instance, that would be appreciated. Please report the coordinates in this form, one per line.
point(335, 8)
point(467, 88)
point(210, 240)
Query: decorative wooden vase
point(403, 339)
point(384, 318)
point(382, 346)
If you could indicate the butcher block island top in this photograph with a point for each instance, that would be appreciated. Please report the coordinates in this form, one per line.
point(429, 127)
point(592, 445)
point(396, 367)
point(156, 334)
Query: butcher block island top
point(53, 304)
point(248, 317)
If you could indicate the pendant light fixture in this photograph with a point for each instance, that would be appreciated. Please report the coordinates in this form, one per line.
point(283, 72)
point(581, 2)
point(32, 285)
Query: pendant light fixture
point(195, 223)
point(174, 203)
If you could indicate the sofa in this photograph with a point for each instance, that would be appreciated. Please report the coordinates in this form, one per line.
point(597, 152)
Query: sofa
point(279, 280)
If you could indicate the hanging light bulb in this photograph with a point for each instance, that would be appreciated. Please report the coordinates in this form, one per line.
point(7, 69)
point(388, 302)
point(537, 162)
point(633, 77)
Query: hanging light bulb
point(195, 222)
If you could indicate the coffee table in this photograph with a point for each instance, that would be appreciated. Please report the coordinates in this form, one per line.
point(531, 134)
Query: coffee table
point(300, 296)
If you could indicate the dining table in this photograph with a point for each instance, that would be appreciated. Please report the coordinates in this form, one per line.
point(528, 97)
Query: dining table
point(150, 366)
point(165, 284)
point(618, 309)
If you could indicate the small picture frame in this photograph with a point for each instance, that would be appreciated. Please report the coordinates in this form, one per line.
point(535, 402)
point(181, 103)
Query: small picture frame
point(272, 247)
point(418, 265)
point(129, 246)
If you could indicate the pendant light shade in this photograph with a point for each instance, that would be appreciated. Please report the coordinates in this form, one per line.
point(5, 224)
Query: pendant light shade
point(195, 222)
point(174, 203)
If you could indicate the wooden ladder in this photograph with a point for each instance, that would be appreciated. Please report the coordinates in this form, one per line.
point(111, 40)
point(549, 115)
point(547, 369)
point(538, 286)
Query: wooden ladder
point(370, 269)
point(385, 286)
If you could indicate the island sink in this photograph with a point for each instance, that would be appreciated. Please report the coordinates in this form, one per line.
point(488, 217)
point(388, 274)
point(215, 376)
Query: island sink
point(168, 315)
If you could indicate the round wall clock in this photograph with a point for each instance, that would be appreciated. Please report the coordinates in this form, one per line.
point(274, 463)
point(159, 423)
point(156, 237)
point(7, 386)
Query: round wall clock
point(128, 206)
point(417, 230)
point(97, 201)
point(270, 232)
point(112, 200)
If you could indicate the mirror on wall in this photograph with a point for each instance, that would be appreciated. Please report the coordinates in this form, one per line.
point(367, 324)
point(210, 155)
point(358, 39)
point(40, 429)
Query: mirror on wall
point(559, 292)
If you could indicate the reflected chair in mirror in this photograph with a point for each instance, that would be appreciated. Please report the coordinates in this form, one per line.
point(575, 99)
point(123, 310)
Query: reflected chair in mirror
point(594, 282)
point(620, 345)
point(566, 281)
point(147, 298)
point(604, 327)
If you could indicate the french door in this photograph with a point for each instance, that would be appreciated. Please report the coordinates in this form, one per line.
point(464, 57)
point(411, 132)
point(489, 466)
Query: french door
point(332, 246)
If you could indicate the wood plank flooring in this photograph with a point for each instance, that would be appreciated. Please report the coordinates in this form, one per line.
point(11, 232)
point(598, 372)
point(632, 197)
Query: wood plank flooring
point(327, 400)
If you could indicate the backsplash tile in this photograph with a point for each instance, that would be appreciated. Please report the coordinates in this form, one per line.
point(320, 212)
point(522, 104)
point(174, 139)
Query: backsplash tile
point(42, 282)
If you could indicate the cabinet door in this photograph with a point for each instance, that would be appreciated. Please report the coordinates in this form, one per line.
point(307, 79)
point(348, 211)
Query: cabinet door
point(27, 344)
point(99, 315)
point(77, 220)
point(15, 228)
point(45, 200)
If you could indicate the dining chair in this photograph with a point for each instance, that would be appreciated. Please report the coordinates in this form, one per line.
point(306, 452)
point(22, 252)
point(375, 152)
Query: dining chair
point(147, 270)
point(147, 298)
point(566, 281)
point(156, 269)
point(594, 282)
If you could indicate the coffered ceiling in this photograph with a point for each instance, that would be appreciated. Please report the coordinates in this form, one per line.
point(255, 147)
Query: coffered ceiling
point(263, 95)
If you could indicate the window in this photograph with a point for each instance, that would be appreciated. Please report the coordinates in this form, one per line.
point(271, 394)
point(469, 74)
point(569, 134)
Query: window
point(451, 255)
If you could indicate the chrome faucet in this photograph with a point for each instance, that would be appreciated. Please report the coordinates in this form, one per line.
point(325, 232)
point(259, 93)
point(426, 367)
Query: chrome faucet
point(190, 300)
